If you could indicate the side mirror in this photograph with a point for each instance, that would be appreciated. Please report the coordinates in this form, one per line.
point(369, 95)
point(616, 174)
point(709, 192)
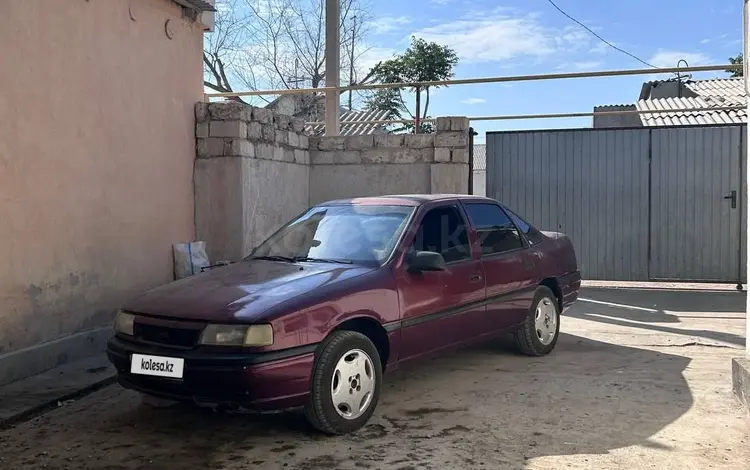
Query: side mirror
point(426, 261)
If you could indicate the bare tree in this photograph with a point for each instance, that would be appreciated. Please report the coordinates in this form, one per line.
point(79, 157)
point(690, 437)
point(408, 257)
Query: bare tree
point(271, 44)
point(222, 47)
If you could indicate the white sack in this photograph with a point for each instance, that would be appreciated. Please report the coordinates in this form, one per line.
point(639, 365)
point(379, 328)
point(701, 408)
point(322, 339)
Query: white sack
point(189, 258)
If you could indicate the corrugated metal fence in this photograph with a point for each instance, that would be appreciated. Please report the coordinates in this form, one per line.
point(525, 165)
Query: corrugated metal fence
point(638, 204)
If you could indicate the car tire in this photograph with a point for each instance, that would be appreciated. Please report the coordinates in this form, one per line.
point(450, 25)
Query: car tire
point(538, 334)
point(345, 383)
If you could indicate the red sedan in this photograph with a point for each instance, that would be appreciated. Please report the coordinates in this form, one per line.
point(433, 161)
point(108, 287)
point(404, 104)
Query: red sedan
point(349, 289)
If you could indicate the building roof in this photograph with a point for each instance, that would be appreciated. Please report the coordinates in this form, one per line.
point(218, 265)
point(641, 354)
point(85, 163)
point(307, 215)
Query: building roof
point(688, 118)
point(311, 108)
point(480, 157)
point(354, 129)
point(695, 94)
point(727, 89)
point(200, 5)
point(614, 107)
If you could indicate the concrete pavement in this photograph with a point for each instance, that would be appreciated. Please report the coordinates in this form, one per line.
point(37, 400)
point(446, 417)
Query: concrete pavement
point(640, 379)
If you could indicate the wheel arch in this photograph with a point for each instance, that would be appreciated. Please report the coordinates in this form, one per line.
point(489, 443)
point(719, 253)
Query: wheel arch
point(554, 285)
point(369, 326)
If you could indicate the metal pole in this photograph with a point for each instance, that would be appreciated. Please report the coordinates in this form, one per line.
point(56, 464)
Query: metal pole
point(745, 48)
point(471, 160)
point(351, 59)
point(512, 117)
point(333, 66)
point(470, 81)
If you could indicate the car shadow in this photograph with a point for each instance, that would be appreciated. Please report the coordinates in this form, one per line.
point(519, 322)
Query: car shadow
point(483, 403)
point(650, 309)
point(588, 397)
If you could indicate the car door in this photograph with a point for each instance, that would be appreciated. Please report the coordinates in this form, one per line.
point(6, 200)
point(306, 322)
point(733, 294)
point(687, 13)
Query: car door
point(509, 266)
point(440, 308)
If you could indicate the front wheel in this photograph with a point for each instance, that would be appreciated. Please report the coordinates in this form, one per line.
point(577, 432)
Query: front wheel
point(345, 383)
point(539, 332)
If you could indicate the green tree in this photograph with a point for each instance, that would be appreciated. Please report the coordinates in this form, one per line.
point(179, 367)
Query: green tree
point(736, 61)
point(421, 62)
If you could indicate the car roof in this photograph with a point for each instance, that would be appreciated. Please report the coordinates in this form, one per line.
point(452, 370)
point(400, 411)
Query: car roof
point(403, 199)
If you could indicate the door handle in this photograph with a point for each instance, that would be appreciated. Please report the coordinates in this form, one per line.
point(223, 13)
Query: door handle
point(733, 197)
point(475, 278)
point(528, 263)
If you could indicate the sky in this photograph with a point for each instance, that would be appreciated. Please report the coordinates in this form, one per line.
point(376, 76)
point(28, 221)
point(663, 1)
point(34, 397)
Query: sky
point(521, 37)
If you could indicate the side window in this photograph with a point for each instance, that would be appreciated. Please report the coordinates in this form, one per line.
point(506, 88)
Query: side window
point(532, 234)
point(443, 230)
point(497, 234)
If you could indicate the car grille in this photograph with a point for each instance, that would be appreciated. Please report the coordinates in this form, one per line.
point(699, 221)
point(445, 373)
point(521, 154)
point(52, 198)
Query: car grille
point(166, 336)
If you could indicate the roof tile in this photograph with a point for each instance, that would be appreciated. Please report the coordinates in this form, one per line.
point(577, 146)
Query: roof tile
point(711, 93)
point(354, 129)
point(480, 157)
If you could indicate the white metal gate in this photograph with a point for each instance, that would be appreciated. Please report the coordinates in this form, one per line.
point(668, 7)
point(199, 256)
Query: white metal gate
point(695, 206)
point(639, 203)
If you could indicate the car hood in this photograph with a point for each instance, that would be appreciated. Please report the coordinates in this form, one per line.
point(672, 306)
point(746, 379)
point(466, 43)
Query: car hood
point(242, 291)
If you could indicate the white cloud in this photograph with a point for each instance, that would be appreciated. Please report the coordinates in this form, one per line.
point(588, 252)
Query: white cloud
point(387, 24)
point(573, 37)
point(664, 58)
point(588, 65)
point(501, 35)
point(440, 2)
point(474, 101)
point(600, 48)
point(724, 40)
point(369, 58)
point(582, 66)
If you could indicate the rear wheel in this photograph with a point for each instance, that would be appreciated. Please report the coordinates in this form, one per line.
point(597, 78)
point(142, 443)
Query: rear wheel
point(345, 383)
point(539, 332)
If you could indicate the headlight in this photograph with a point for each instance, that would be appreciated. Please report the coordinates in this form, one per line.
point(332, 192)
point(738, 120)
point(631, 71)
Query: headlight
point(124, 323)
point(236, 335)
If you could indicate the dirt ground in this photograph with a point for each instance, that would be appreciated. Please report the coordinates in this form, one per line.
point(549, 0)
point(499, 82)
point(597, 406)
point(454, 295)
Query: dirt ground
point(639, 379)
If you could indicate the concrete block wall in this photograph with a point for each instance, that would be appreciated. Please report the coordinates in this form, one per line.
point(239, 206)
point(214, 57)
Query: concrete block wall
point(251, 175)
point(354, 166)
point(479, 178)
point(255, 170)
point(616, 120)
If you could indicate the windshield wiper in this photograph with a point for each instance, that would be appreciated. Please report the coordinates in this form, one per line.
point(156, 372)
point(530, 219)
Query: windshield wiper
point(297, 259)
point(217, 265)
point(322, 260)
point(288, 259)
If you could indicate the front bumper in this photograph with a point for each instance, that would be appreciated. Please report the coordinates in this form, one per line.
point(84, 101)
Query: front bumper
point(267, 381)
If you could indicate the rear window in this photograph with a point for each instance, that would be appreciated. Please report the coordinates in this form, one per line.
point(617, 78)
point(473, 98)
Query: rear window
point(497, 234)
point(532, 234)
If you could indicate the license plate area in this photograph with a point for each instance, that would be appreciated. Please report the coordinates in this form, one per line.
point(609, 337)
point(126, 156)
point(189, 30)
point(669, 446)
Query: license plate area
point(157, 366)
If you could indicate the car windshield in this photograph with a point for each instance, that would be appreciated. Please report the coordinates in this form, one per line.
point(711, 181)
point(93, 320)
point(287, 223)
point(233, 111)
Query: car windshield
point(339, 233)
